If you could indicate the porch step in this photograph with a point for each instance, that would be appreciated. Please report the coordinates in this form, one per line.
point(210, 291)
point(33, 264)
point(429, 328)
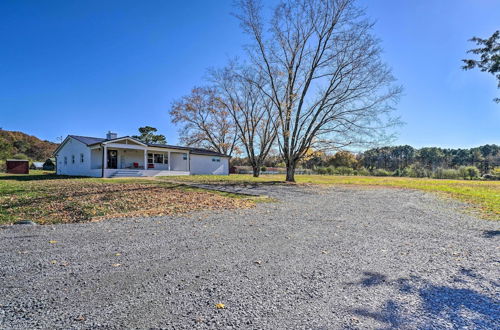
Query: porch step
point(127, 173)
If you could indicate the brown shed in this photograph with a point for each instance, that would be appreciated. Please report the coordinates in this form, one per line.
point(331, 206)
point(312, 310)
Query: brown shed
point(18, 166)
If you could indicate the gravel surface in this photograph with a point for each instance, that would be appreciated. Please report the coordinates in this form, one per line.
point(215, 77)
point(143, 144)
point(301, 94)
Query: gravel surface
point(320, 258)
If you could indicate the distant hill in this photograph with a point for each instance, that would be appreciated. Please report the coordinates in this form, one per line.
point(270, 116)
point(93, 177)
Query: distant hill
point(17, 144)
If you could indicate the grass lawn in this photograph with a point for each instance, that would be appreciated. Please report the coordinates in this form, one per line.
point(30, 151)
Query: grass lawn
point(482, 196)
point(46, 198)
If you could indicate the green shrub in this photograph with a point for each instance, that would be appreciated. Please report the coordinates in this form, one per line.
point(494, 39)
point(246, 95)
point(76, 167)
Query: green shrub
point(321, 170)
point(417, 171)
point(263, 169)
point(405, 172)
point(468, 172)
point(344, 170)
point(330, 170)
point(443, 173)
point(362, 171)
point(398, 172)
point(381, 172)
point(19, 156)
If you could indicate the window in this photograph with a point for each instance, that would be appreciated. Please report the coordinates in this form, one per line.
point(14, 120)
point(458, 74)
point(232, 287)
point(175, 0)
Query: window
point(65, 160)
point(158, 158)
point(72, 159)
point(185, 156)
point(81, 158)
point(216, 160)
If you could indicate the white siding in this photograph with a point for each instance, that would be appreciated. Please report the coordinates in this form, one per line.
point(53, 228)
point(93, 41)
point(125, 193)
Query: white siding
point(127, 158)
point(201, 164)
point(96, 158)
point(177, 161)
point(74, 148)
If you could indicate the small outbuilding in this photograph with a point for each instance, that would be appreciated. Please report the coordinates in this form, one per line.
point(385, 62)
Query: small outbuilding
point(36, 166)
point(17, 166)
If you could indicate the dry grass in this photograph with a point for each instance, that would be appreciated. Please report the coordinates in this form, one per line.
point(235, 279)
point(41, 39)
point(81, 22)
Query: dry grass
point(54, 200)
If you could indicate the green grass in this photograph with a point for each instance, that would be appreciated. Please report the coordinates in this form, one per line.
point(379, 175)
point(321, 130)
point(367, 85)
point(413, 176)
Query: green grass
point(482, 196)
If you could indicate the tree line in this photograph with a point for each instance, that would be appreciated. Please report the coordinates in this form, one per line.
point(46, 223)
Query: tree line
point(443, 163)
point(19, 145)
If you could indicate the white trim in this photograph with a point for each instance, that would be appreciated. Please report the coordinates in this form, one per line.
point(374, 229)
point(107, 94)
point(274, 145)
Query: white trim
point(124, 146)
point(125, 138)
point(62, 144)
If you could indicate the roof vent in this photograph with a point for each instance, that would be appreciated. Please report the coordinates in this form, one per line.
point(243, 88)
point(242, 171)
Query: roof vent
point(111, 136)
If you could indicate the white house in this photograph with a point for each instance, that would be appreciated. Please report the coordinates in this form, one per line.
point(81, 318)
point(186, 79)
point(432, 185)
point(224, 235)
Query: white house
point(126, 156)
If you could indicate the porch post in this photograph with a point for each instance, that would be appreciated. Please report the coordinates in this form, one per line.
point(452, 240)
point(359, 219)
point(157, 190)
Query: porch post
point(145, 159)
point(169, 160)
point(105, 163)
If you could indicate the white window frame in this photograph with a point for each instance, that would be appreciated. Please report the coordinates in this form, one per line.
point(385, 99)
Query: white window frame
point(152, 158)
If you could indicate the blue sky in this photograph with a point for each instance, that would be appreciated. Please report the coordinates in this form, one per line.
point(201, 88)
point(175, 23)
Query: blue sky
point(85, 67)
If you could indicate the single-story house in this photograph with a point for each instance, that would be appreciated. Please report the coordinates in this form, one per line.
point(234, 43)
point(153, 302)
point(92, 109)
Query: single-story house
point(36, 166)
point(126, 156)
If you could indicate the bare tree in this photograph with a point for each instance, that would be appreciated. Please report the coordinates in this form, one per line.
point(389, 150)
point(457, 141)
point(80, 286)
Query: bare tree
point(205, 121)
point(251, 112)
point(323, 74)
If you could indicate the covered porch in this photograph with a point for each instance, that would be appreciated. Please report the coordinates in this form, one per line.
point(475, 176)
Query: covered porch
point(129, 157)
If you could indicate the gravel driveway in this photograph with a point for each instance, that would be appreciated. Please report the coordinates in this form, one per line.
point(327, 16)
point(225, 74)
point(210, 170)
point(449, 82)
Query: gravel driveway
point(319, 258)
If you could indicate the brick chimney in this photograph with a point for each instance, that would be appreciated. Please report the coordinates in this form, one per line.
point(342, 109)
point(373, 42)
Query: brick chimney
point(110, 135)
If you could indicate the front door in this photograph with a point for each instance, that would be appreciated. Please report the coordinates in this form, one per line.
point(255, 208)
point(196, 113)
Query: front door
point(112, 158)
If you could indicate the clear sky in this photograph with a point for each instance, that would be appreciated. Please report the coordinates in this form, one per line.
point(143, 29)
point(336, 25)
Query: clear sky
point(86, 67)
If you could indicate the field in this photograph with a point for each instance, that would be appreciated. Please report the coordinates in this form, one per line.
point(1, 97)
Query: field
point(46, 198)
point(482, 196)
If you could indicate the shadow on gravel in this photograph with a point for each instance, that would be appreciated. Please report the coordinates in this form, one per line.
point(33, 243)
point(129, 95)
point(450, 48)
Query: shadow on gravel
point(439, 305)
point(491, 233)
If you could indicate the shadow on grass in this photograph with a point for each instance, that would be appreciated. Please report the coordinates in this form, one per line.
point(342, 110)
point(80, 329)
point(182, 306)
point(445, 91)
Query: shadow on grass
point(454, 305)
point(37, 177)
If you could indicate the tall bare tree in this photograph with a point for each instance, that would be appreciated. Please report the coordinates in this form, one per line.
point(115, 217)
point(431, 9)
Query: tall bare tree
point(205, 121)
point(251, 112)
point(323, 74)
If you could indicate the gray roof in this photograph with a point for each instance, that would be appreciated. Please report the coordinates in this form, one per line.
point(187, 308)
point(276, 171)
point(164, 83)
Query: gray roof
point(87, 139)
point(197, 151)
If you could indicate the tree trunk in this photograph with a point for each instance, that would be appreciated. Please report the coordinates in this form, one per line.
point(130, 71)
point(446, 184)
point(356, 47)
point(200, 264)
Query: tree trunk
point(256, 171)
point(290, 172)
